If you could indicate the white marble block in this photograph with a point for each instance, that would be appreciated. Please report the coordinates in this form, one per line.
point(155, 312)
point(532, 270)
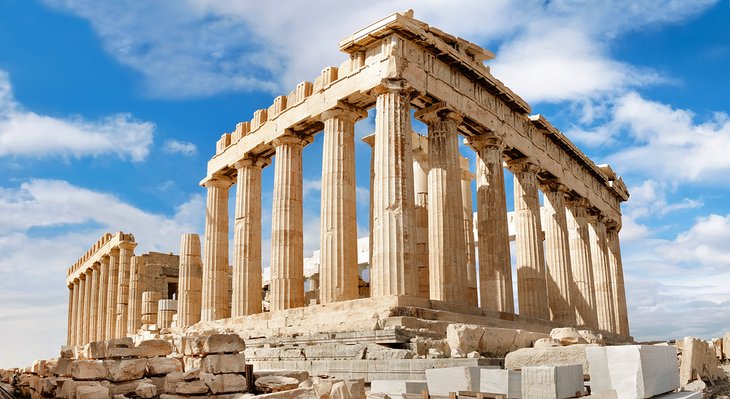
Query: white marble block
point(552, 382)
point(506, 382)
point(633, 371)
point(452, 379)
point(396, 388)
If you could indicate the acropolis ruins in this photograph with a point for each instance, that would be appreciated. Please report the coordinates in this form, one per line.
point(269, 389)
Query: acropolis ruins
point(435, 261)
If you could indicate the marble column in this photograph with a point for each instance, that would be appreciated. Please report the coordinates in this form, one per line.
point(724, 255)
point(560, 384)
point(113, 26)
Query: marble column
point(150, 302)
point(495, 267)
point(78, 307)
point(101, 298)
point(112, 290)
point(338, 274)
point(470, 253)
point(215, 299)
point(247, 239)
point(94, 302)
point(287, 241)
point(531, 283)
point(83, 309)
point(617, 272)
point(446, 247)
point(557, 254)
point(602, 274)
point(137, 285)
point(126, 251)
point(394, 232)
point(370, 141)
point(190, 280)
point(584, 299)
point(420, 188)
point(70, 327)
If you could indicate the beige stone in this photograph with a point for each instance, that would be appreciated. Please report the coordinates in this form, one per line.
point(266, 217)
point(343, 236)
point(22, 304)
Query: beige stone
point(543, 343)
point(195, 387)
point(224, 383)
point(224, 363)
point(163, 365)
point(564, 355)
point(464, 338)
point(154, 348)
point(126, 370)
point(215, 302)
point(126, 387)
point(92, 392)
point(567, 336)
point(275, 383)
point(89, 370)
point(146, 390)
point(190, 281)
point(300, 375)
point(698, 362)
point(299, 393)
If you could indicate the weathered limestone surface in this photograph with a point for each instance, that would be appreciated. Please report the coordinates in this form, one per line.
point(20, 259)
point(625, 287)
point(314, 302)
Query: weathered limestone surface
point(584, 299)
point(602, 275)
point(497, 342)
point(552, 382)
point(190, 281)
point(136, 287)
point(125, 258)
point(215, 302)
point(698, 362)
point(562, 355)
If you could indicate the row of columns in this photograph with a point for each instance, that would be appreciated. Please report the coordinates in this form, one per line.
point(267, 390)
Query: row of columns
point(99, 298)
point(571, 275)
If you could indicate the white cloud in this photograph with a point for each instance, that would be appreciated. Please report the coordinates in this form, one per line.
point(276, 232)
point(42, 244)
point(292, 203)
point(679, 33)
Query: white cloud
point(28, 134)
point(48, 224)
point(180, 147)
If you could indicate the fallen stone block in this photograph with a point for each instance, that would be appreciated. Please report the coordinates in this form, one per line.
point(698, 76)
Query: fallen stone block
point(573, 354)
point(452, 379)
point(567, 336)
point(552, 382)
point(301, 376)
point(543, 343)
point(224, 383)
point(356, 388)
point(699, 361)
point(67, 351)
point(94, 350)
point(216, 343)
point(299, 393)
point(396, 388)
point(339, 391)
point(89, 370)
point(146, 390)
point(163, 365)
point(680, 395)
point(92, 392)
point(154, 348)
point(196, 387)
point(224, 363)
point(62, 367)
point(493, 341)
point(126, 370)
point(127, 387)
point(505, 382)
point(633, 371)
point(275, 383)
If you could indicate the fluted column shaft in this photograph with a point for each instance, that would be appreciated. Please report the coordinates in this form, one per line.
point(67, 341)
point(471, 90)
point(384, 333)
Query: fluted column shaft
point(247, 239)
point(557, 255)
point(101, 298)
point(287, 241)
point(619, 289)
point(215, 299)
point(394, 235)
point(470, 252)
point(70, 328)
point(581, 264)
point(602, 274)
point(531, 283)
point(84, 308)
point(338, 277)
point(78, 308)
point(126, 251)
point(446, 247)
point(370, 141)
point(94, 302)
point(420, 188)
point(190, 281)
point(137, 285)
point(111, 298)
point(495, 267)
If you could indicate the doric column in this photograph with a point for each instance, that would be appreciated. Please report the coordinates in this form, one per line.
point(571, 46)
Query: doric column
point(150, 301)
point(495, 267)
point(584, 299)
point(126, 251)
point(246, 239)
point(112, 290)
point(602, 274)
point(190, 280)
point(78, 293)
point(617, 272)
point(420, 188)
point(83, 317)
point(446, 247)
point(70, 328)
point(94, 302)
point(166, 309)
point(557, 255)
point(215, 302)
point(137, 285)
point(394, 236)
point(87, 305)
point(470, 253)
point(101, 298)
point(338, 277)
point(370, 141)
point(287, 258)
point(531, 283)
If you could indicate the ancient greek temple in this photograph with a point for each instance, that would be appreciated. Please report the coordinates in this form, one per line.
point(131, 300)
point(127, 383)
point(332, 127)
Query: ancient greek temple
point(424, 258)
point(567, 253)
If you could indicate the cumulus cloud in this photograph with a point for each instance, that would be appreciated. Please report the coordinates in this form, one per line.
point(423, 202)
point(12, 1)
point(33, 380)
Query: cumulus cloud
point(47, 225)
point(28, 134)
point(180, 147)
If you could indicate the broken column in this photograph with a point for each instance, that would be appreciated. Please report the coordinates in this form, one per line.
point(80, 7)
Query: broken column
point(166, 309)
point(190, 280)
point(150, 300)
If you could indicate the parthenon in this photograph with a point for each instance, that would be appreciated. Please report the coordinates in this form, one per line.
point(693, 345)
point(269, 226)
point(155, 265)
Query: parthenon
point(423, 252)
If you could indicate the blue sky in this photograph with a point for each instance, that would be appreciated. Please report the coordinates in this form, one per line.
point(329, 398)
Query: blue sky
point(109, 111)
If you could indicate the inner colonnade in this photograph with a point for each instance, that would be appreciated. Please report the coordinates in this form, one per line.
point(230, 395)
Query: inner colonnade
point(567, 252)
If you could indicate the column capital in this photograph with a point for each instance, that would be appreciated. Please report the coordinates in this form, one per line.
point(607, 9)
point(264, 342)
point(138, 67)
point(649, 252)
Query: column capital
point(578, 202)
point(612, 226)
point(250, 161)
point(439, 112)
point(127, 245)
point(76, 281)
point(96, 266)
point(490, 139)
point(82, 276)
point(218, 182)
point(292, 139)
point(369, 140)
point(344, 111)
point(392, 86)
point(524, 165)
point(595, 216)
point(70, 285)
point(554, 185)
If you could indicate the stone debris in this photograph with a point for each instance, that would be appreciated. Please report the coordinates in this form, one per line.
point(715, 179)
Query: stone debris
point(562, 355)
point(699, 361)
